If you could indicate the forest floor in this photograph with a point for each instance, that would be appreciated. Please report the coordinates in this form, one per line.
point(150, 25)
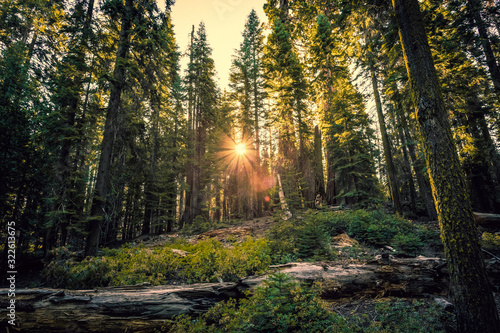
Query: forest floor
point(357, 305)
point(354, 305)
point(255, 228)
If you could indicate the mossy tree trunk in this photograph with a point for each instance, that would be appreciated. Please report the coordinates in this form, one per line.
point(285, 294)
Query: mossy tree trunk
point(469, 284)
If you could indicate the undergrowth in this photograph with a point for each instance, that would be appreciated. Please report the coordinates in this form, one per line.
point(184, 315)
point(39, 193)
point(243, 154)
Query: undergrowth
point(206, 261)
point(282, 305)
point(309, 236)
point(306, 237)
point(201, 225)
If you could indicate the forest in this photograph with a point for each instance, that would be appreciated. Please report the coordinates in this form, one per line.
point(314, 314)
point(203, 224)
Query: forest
point(354, 136)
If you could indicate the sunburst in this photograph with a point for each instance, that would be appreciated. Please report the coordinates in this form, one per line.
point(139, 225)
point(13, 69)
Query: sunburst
point(241, 158)
point(238, 156)
point(240, 149)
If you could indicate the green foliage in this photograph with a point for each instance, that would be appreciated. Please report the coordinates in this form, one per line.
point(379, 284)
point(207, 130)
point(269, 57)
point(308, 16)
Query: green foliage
point(415, 317)
point(206, 261)
point(281, 305)
point(489, 240)
point(201, 224)
point(310, 237)
point(313, 242)
point(345, 123)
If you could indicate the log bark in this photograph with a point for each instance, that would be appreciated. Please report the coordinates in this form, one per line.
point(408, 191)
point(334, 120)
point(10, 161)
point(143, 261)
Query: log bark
point(114, 309)
point(487, 220)
point(144, 308)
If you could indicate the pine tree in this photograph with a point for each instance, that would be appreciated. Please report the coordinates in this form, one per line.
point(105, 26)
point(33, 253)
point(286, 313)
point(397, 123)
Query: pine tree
point(246, 82)
point(287, 89)
point(344, 121)
point(30, 29)
point(135, 19)
point(471, 290)
point(68, 94)
point(202, 96)
point(472, 104)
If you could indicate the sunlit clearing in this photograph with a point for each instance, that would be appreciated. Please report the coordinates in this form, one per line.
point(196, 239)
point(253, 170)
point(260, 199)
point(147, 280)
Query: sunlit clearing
point(240, 149)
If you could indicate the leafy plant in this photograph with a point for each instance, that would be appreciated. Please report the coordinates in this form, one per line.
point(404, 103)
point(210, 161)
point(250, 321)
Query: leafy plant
point(414, 316)
point(282, 305)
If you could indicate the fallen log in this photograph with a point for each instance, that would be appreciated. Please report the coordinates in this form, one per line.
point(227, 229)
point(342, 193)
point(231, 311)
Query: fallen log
point(114, 309)
point(145, 308)
point(383, 276)
point(487, 220)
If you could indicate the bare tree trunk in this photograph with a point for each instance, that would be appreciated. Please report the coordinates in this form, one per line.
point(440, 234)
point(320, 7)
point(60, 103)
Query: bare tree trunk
point(319, 179)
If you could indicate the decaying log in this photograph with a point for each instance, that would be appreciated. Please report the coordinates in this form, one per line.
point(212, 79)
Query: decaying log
point(144, 308)
point(115, 309)
point(487, 220)
point(382, 276)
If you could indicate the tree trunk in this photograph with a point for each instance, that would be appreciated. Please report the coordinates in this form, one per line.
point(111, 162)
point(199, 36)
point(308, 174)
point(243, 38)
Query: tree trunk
point(319, 179)
point(398, 110)
point(470, 287)
point(422, 179)
point(389, 162)
point(475, 7)
point(330, 181)
point(103, 173)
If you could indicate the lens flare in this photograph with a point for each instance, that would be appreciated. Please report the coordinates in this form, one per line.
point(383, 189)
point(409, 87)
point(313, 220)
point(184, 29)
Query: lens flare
point(240, 149)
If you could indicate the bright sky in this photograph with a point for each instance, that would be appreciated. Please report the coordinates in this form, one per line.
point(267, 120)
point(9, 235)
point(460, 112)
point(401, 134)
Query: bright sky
point(224, 23)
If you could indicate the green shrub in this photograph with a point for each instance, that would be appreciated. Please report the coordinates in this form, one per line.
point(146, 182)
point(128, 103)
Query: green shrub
point(282, 238)
point(310, 237)
point(410, 316)
point(313, 242)
point(409, 244)
point(281, 305)
point(299, 239)
point(206, 261)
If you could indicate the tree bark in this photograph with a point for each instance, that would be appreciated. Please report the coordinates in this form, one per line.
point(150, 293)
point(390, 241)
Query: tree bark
point(389, 162)
point(319, 179)
point(422, 179)
point(470, 288)
point(103, 173)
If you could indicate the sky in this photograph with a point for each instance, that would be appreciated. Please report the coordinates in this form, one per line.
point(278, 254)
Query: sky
point(224, 22)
